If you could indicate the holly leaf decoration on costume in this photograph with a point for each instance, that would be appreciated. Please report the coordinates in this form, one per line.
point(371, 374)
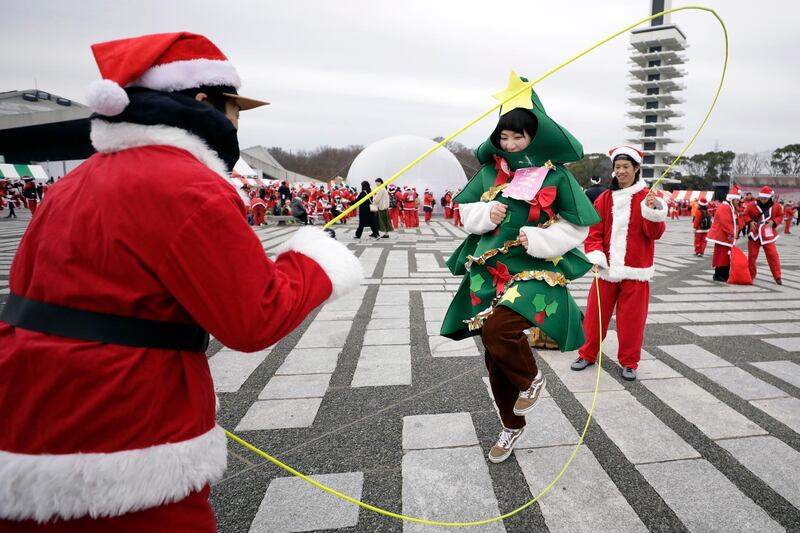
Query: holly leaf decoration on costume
point(500, 276)
point(551, 308)
point(555, 260)
point(507, 219)
point(511, 295)
point(539, 318)
point(476, 282)
point(475, 299)
point(539, 303)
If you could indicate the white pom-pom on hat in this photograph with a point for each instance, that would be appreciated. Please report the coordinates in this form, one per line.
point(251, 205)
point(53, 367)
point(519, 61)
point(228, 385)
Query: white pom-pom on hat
point(106, 98)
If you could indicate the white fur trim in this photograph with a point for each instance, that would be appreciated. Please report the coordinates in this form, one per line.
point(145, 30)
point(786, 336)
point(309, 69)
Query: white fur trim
point(476, 217)
point(108, 137)
point(340, 265)
point(619, 273)
point(555, 240)
point(713, 241)
point(106, 97)
point(627, 150)
point(597, 257)
point(188, 74)
point(654, 215)
point(618, 245)
point(43, 487)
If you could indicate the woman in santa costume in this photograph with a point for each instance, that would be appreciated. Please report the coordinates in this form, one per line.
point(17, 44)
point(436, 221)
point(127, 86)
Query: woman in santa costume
point(258, 207)
point(427, 205)
point(108, 406)
point(526, 214)
point(722, 234)
point(763, 218)
point(622, 246)
point(788, 217)
point(701, 222)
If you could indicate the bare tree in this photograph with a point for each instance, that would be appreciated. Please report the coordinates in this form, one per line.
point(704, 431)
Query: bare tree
point(749, 165)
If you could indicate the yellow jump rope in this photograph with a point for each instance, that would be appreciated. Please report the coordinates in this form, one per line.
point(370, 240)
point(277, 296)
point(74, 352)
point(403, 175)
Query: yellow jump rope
point(452, 136)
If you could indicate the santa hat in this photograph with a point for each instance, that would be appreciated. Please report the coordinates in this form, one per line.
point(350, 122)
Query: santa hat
point(702, 201)
point(595, 180)
point(766, 192)
point(734, 194)
point(163, 62)
point(630, 151)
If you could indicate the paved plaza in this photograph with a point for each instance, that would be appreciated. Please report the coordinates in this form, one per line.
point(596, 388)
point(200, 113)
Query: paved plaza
point(368, 399)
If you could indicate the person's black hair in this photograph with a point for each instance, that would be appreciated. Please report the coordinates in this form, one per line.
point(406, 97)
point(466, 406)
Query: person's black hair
point(378, 180)
point(215, 97)
point(365, 186)
point(517, 120)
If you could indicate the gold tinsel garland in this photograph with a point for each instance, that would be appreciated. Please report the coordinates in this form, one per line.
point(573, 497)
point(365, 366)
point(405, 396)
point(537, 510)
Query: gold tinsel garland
point(488, 254)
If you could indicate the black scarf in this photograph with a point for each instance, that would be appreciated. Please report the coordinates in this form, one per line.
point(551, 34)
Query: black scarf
point(765, 207)
point(150, 108)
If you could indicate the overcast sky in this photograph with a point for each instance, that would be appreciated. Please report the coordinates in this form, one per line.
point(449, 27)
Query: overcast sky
point(352, 72)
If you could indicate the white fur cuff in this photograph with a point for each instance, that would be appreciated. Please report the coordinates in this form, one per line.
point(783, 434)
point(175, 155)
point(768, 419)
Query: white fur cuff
point(476, 217)
point(597, 257)
point(655, 215)
point(43, 487)
point(340, 265)
point(554, 241)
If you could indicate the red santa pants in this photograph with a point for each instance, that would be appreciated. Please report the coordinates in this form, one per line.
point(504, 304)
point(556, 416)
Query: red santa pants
point(193, 513)
point(721, 257)
point(258, 215)
point(448, 212)
point(773, 259)
point(631, 299)
point(509, 360)
point(457, 217)
point(428, 215)
point(394, 216)
point(699, 243)
point(787, 225)
point(32, 205)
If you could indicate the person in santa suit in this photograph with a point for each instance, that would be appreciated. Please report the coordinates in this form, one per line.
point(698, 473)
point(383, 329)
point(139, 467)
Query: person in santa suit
point(107, 401)
point(427, 205)
point(457, 211)
point(408, 207)
point(788, 217)
point(395, 206)
point(723, 232)
point(741, 217)
point(763, 218)
point(258, 207)
point(622, 247)
point(701, 222)
point(447, 204)
point(29, 194)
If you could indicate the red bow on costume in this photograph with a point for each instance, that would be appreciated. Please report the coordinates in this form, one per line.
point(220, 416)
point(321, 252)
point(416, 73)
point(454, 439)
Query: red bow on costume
point(542, 201)
point(500, 276)
point(503, 171)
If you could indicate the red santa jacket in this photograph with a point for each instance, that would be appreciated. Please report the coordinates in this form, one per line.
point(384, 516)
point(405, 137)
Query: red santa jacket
point(698, 216)
point(257, 201)
point(766, 221)
point(725, 225)
point(623, 242)
point(428, 201)
point(90, 428)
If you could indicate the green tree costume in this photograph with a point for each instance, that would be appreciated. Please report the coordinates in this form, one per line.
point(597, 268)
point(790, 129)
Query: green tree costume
point(497, 269)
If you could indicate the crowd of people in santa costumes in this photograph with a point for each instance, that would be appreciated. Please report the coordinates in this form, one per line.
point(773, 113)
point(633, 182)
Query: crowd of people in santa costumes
point(701, 222)
point(722, 234)
point(763, 218)
point(108, 407)
point(622, 247)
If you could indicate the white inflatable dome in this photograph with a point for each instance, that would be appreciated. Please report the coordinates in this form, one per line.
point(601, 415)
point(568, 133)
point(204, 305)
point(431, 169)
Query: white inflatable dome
point(439, 171)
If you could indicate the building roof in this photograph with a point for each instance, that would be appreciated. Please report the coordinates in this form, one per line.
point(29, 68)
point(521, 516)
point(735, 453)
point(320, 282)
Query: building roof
point(259, 158)
point(32, 107)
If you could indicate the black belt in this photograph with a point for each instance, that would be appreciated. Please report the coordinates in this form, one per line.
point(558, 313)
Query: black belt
point(101, 327)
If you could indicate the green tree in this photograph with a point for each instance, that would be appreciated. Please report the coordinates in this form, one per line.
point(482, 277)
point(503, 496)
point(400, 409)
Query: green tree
point(597, 164)
point(786, 160)
point(712, 166)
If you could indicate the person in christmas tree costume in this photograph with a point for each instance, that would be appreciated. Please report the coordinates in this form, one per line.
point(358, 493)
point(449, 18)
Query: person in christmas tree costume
point(526, 214)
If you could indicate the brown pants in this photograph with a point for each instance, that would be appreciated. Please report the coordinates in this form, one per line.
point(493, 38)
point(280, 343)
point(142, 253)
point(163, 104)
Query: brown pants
point(509, 360)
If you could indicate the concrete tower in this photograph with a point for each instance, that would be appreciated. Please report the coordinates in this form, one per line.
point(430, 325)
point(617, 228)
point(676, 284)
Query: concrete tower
point(655, 74)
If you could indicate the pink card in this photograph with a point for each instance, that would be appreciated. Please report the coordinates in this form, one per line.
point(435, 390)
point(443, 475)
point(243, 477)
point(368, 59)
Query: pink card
point(526, 183)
